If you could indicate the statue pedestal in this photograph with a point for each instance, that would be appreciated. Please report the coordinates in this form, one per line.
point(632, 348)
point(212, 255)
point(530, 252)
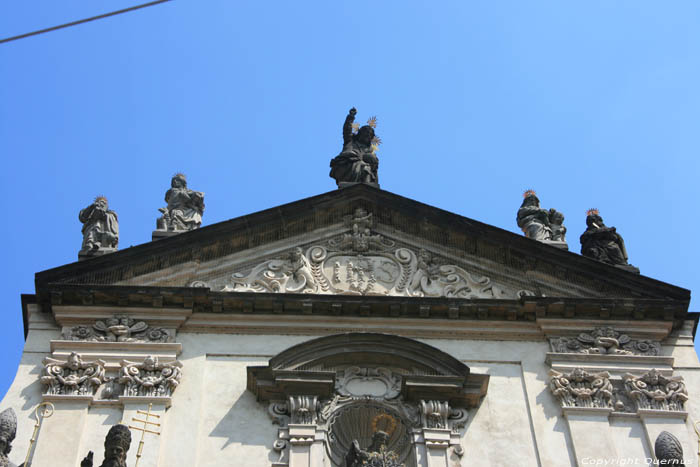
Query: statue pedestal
point(342, 185)
point(158, 234)
point(628, 268)
point(83, 255)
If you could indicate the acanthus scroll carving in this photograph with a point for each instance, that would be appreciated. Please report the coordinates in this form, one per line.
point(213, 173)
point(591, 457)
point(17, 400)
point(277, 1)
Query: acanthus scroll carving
point(581, 389)
point(363, 262)
point(655, 391)
point(73, 377)
point(150, 378)
point(605, 341)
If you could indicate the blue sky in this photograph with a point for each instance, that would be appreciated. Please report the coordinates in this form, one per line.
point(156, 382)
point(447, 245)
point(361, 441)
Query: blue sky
point(592, 104)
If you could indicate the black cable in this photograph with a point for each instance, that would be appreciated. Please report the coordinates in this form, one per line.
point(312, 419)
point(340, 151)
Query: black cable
point(81, 21)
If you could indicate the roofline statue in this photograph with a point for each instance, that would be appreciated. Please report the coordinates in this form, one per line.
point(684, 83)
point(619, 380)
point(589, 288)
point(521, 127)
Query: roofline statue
point(357, 162)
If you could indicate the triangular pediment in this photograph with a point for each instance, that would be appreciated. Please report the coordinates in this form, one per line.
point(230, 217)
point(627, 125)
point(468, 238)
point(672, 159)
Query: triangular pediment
point(361, 241)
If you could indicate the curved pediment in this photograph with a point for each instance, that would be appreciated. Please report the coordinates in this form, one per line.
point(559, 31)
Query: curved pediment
point(317, 366)
point(412, 356)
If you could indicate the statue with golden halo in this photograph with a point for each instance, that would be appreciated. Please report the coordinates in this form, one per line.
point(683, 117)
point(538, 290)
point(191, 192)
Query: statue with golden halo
point(377, 454)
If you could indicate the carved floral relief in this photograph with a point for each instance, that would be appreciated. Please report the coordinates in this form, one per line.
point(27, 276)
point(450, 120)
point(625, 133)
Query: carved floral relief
point(605, 341)
point(117, 329)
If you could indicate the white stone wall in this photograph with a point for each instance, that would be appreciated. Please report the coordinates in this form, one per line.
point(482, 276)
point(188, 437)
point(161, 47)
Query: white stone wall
point(215, 421)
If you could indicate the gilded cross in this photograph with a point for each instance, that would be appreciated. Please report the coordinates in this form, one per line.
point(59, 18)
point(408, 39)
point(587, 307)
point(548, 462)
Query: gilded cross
point(147, 415)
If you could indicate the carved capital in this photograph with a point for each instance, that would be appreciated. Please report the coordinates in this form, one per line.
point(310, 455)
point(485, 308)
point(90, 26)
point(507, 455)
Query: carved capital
point(150, 378)
point(73, 377)
point(581, 389)
point(655, 391)
point(303, 409)
point(434, 414)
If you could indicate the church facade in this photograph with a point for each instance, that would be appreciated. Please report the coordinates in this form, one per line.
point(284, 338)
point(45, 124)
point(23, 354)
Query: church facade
point(356, 327)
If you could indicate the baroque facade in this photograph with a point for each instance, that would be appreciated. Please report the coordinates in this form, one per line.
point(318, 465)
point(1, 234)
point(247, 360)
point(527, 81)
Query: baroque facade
point(354, 328)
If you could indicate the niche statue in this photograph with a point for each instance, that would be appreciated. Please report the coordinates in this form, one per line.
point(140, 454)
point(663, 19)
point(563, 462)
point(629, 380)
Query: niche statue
point(357, 162)
point(604, 243)
point(184, 210)
point(541, 224)
point(376, 454)
point(100, 229)
point(117, 445)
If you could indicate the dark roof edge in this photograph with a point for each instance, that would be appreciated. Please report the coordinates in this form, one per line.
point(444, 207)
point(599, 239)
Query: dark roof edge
point(27, 299)
point(491, 233)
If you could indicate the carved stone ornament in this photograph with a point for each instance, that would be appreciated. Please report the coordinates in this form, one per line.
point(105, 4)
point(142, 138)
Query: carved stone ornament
point(8, 431)
point(368, 382)
point(117, 443)
point(654, 391)
point(117, 329)
point(357, 162)
point(668, 449)
point(540, 224)
point(100, 229)
point(581, 389)
point(603, 243)
point(362, 262)
point(185, 207)
point(150, 378)
point(605, 341)
point(73, 377)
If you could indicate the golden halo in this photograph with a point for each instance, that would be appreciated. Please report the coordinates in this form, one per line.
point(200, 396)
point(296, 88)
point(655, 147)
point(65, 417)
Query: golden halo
point(529, 192)
point(592, 212)
point(389, 425)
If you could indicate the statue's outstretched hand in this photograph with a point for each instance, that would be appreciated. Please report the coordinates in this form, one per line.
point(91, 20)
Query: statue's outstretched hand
point(353, 111)
point(87, 462)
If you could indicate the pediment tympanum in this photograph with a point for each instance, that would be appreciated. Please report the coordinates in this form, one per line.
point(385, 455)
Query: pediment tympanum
point(361, 261)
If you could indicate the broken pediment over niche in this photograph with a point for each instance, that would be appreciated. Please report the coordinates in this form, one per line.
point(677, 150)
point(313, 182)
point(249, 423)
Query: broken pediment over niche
point(362, 262)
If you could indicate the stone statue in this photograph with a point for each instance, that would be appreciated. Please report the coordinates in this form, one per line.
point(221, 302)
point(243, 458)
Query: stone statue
point(604, 243)
point(8, 431)
point(184, 210)
point(540, 224)
point(668, 450)
point(100, 229)
point(377, 454)
point(117, 445)
point(357, 162)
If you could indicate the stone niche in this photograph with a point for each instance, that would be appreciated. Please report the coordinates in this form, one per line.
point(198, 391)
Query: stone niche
point(328, 392)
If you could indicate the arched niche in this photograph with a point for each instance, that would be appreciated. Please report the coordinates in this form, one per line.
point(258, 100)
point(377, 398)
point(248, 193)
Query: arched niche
point(327, 391)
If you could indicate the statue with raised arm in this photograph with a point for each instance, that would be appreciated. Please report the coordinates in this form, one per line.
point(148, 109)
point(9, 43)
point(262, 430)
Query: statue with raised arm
point(117, 445)
point(184, 210)
point(604, 243)
point(541, 224)
point(357, 162)
point(100, 229)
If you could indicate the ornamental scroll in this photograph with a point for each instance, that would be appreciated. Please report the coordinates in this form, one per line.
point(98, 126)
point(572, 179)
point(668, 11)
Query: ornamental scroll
point(363, 262)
